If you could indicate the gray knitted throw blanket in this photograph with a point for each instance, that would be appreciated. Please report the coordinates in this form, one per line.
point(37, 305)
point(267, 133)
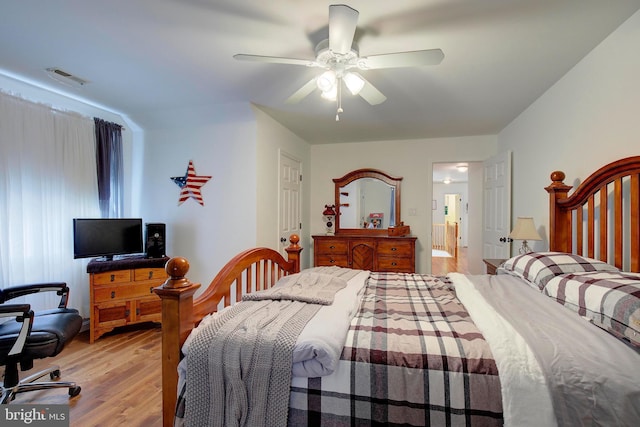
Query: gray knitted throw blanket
point(315, 286)
point(239, 366)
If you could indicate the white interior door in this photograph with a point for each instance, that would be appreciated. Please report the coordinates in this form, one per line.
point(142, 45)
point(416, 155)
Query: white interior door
point(497, 206)
point(289, 215)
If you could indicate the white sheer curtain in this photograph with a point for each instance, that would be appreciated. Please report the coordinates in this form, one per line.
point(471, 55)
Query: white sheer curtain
point(47, 177)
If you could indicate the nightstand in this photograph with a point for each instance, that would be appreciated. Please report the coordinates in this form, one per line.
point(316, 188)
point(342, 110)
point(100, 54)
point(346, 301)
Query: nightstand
point(493, 264)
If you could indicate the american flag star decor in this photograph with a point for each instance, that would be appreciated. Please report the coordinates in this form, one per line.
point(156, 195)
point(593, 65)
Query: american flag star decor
point(190, 184)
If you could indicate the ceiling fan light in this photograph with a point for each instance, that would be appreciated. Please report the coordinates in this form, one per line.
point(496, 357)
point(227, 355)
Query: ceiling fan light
point(330, 94)
point(326, 81)
point(354, 83)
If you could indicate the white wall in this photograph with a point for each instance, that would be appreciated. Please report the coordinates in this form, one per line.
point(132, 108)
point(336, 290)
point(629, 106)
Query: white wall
point(587, 119)
point(475, 221)
point(223, 146)
point(239, 146)
point(272, 139)
point(413, 160)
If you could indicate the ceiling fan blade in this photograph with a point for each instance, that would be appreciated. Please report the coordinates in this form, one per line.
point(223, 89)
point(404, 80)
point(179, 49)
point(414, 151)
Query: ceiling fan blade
point(416, 58)
point(275, 60)
point(370, 94)
point(301, 93)
point(342, 27)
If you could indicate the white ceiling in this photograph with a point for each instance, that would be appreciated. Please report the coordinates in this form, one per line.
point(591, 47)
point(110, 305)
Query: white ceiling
point(157, 60)
point(451, 172)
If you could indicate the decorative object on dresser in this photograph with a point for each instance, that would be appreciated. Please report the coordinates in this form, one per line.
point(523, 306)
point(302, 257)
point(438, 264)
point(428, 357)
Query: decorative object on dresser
point(121, 292)
point(375, 253)
point(399, 230)
point(329, 216)
point(524, 230)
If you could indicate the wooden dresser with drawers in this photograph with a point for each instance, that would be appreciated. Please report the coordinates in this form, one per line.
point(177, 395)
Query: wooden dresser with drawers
point(121, 293)
point(375, 253)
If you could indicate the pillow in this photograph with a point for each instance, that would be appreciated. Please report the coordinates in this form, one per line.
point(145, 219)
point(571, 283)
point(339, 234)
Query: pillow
point(610, 300)
point(538, 268)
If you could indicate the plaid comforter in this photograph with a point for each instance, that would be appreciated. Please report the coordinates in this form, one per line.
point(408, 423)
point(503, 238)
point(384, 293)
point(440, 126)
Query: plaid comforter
point(412, 357)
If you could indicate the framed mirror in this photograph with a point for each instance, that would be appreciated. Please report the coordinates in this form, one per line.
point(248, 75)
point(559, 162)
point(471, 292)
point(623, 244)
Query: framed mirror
point(367, 202)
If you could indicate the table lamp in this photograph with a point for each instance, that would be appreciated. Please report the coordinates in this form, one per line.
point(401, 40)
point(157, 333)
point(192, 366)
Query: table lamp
point(525, 230)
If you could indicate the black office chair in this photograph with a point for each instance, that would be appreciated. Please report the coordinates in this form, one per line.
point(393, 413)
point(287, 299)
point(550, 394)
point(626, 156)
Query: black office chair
point(25, 336)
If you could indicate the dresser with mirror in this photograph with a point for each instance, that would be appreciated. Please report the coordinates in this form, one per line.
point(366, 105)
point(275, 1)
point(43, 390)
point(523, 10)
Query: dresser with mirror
point(367, 203)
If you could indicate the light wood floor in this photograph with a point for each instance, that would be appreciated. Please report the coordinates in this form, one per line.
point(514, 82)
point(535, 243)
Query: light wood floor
point(119, 375)
point(441, 265)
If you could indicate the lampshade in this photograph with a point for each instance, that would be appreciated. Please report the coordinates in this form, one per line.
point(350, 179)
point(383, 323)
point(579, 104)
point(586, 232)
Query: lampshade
point(525, 229)
point(353, 82)
point(330, 94)
point(326, 81)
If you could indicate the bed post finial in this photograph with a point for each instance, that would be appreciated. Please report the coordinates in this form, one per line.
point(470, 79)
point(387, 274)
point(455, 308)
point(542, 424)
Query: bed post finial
point(293, 250)
point(557, 178)
point(177, 320)
point(176, 269)
point(559, 219)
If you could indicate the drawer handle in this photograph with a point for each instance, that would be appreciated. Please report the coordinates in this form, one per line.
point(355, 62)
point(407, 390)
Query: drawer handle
point(394, 264)
point(332, 261)
point(332, 247)
point(113, 277)
point(127, 313)
point(150, 274)
point(151, 289)
point(113, 294)
point(137, 312)
point(394, 249)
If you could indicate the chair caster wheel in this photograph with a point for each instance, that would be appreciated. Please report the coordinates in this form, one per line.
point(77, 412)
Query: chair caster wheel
point(55, 374)
point(74, 391)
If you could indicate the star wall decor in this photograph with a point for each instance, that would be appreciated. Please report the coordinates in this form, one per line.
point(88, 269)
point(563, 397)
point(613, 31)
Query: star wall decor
point(190, 184)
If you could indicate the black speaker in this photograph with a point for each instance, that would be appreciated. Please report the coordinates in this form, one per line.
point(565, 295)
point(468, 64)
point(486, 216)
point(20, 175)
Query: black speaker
point(155, 238)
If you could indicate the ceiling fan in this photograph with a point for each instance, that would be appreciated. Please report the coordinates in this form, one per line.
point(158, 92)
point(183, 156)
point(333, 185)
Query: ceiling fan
point(339, 57)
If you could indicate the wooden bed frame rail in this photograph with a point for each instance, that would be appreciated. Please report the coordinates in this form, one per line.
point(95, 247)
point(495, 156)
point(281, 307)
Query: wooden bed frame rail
point(595, 215)
point(250, 271)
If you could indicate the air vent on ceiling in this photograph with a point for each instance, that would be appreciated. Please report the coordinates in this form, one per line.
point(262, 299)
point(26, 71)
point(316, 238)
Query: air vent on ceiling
point(64, 77)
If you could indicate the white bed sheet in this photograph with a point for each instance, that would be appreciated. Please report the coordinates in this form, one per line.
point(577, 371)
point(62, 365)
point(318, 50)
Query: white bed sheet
point(525, 396)
point(320, 343)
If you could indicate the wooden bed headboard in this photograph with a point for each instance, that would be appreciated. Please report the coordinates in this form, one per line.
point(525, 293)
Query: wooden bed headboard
point(601, 218)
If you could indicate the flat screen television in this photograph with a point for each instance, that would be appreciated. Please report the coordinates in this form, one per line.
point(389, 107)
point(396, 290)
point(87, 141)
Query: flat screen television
point(106, 237)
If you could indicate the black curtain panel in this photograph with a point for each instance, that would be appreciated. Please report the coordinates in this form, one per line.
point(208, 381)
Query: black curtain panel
point(109, 167)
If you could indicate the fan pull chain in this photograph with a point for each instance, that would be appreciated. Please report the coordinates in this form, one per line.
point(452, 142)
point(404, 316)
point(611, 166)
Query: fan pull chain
point(339, 99)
